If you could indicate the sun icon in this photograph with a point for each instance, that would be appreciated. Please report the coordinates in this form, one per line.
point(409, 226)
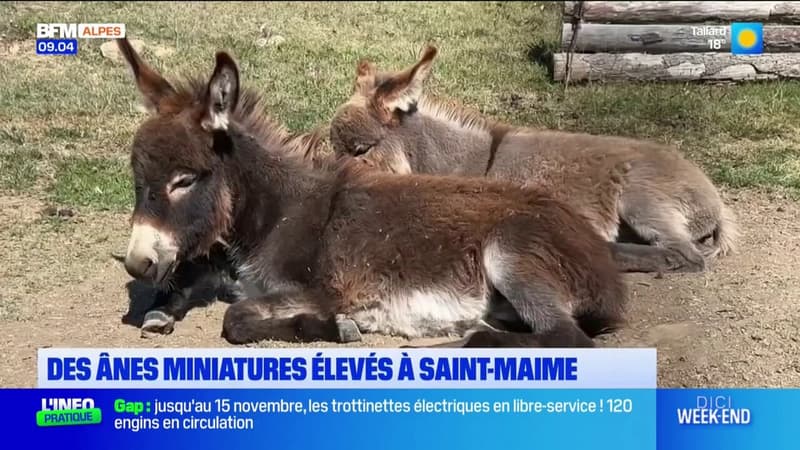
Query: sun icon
point(746, 38)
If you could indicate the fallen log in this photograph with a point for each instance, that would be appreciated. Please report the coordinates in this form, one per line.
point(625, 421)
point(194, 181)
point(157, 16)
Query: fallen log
point(676, 66)
point(678, 38)
point(683, 12)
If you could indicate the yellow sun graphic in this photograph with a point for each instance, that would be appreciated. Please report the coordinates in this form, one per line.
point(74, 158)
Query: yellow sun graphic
point(746, 38)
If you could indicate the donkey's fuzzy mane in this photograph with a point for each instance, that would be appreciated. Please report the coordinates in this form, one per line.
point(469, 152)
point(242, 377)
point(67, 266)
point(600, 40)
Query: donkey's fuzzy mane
point(452, 111)
point(251, 114)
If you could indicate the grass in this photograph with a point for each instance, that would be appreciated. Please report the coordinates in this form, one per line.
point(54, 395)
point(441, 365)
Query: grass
point(66, 122)
point(19, 169)
point(98, 183)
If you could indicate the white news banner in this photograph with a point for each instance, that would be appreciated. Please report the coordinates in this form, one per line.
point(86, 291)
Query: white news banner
point(347, 368)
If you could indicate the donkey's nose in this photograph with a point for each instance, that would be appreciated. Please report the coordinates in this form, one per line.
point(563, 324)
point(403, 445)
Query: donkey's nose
point(141, 268)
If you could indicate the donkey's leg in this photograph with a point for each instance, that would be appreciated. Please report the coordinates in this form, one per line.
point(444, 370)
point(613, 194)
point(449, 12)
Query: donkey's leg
point(294, 317)
point(647, 258)
point(161, 318)
point(552, 327)
point(500, 338)
point(174, 303)
point(662, 225)
point(531, 278)
point(348, 329)
point(483, 337)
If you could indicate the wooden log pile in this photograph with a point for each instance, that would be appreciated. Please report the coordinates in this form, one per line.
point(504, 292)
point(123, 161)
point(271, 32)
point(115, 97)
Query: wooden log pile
point(674, 41)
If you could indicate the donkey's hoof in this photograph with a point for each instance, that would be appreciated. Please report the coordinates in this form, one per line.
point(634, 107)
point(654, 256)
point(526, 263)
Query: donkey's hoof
point(348, 330)
point(157, 323)
point(694, 267)
point(677, 263)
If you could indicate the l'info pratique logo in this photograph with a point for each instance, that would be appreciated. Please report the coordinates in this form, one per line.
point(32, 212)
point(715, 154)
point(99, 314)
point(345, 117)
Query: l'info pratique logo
point(68, 411)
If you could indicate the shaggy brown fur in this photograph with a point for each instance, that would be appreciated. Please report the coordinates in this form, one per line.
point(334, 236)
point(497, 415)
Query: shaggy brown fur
point(173, 297)
point(632, 191)
point(214, 267)
point(402, 255)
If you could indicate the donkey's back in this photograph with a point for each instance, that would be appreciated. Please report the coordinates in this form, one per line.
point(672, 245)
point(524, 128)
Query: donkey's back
point(639, 189)
point(665, 198)
point(425, 256)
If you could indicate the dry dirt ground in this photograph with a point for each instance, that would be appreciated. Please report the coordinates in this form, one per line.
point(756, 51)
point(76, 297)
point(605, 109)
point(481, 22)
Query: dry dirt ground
point(736, 325)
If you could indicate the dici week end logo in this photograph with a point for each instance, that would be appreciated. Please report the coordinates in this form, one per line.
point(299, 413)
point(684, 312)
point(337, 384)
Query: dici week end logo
point(67, 411)
point(747, 38)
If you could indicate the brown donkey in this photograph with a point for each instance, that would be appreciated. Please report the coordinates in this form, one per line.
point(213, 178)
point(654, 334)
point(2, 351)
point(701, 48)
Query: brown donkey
point(173, 298)
point(215, 268)
point(402, 255)
point(665, 201)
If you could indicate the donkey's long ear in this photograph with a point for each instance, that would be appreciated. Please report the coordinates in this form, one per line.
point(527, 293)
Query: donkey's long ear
point(365, 76)
point(152, 86)
point(403, 91)
point(222, 94)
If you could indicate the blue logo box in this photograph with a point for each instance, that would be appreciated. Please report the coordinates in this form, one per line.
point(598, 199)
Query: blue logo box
point(747, 38)
point(56, 46)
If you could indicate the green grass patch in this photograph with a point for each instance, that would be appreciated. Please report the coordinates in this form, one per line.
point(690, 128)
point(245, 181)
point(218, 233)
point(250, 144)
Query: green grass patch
point(493, 57)
point(19, 169)
point(67, 133)
point(770, 168)
point(103, 184)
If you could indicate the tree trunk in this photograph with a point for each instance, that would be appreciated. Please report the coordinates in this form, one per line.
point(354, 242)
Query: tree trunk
point(683, 12)
point(599, 38)
point(677, 66)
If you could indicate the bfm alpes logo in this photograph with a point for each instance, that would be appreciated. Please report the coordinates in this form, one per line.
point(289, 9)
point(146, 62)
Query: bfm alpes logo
point(80, 31)
point(68, 411)
point(62, 38)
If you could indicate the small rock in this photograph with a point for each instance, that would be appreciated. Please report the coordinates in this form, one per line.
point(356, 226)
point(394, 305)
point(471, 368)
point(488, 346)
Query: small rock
point(276, 41)
point(65, 212)
point(780, 209)
point(52, 211)
point(272, 41)
point(110, 51)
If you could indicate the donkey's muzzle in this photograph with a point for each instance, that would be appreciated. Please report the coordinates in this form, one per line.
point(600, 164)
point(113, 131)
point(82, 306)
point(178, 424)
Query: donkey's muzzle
point(151, 253)
point(143, 268)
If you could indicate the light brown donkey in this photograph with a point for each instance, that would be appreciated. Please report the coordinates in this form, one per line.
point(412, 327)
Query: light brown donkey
point(667, 213)
point(410, 255)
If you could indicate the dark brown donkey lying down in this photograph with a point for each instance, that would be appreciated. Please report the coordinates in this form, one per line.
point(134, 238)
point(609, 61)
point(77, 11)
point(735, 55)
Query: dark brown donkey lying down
point(216, 270)
point(667, 210)
point(402, 255)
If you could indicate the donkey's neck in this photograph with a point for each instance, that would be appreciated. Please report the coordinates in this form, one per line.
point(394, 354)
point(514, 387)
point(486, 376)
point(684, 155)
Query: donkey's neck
point(269, 185)
point(447, 144)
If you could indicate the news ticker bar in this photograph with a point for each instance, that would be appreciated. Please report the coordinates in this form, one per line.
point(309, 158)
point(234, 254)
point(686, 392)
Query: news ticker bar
point(389, 419)
point(347, 368)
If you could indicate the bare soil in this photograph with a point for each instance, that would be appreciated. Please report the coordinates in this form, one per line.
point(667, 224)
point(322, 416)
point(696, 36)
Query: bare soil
point(735, 325)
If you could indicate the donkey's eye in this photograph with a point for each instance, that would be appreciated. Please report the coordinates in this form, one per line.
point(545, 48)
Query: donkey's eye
point(361, 149)
point(182, 181)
